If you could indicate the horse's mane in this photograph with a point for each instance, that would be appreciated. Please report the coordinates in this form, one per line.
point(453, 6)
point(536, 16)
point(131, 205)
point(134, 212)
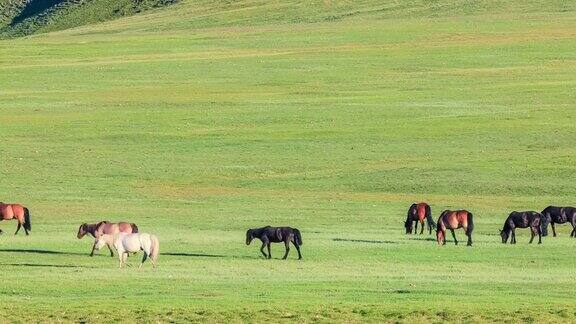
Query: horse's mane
point(410, 211)
point(506, 226)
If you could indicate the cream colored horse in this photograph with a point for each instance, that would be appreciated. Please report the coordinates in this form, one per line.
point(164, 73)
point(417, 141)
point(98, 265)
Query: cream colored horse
point(129, 243)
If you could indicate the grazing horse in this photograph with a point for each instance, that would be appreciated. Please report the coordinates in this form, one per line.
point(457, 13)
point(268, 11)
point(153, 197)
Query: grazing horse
point(105, 227)
point(131, 243)
point(270, 234)
point(558, 215)
point(18, 212)
point(524, 219)
point(454, 219)
point(416, 214)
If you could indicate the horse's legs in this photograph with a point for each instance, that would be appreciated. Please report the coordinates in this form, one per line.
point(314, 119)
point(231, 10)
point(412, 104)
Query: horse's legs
point(18, 228)
point(454, 236)
point(287, 244)
point(533, 232)
point(539, 230)
point(421, 227)
point(111, 251)
point(297, 249)
point(513, 241)
point(124, 257)
point(93, 248)
point(415, 227)
point(553, 229)
point(143, 259)
point(469, 243)
point(269, 252)
point(262, 250)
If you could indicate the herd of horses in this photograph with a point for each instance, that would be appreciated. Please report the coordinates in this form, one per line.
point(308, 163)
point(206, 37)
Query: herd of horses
point(125, 238)
point(455, 219)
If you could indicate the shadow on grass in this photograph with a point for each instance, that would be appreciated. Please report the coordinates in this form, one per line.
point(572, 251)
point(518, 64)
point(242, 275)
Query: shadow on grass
point(41, 251)
point(364, 241)
point(199, 255)
point(430, 239)
point(205, 255)
point(45, 265)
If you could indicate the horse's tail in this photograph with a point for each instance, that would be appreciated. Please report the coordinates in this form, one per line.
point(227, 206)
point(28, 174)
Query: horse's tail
point(429, 218)
point(134, 228)
point(470, 224)
point(297, 237)
point(154, 248)
point(27, 224)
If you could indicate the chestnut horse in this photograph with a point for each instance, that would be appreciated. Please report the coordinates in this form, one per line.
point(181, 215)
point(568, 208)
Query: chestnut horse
point(416, 214)
point(18, 212)
point(525, 219)
point(454, 219)
point(105, 227)
point(558, 215)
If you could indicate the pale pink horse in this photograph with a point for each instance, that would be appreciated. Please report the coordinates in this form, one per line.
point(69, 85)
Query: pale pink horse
point(131, 243)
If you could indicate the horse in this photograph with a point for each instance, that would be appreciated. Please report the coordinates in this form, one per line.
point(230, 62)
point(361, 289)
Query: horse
point(131, 243)
point(417, 213)
point(558, 215)
point(18, 212)
point(524, 219)
point(105, 227)
point(454, 219)
point(270, 234)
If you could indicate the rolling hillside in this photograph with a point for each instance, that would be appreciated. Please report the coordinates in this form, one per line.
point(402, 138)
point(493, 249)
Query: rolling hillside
point(25, 17)
point(201, 119)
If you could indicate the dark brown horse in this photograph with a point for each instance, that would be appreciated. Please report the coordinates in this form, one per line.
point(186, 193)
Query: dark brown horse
point(558, 215)
point(524, 219)
point(18, 212)
point(416, 214)
point(105, 227)
point(454, 219)
point(270, 234)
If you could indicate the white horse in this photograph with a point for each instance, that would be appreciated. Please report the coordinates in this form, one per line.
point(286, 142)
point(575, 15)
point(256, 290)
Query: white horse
point(129, 243)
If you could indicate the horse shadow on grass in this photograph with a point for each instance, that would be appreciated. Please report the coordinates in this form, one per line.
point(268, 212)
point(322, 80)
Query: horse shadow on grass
point(41, 251)
point(175, 254)
point(46, 265)
point(430, 239)
point(203, 255)
point(198, 255)
point(364, 241)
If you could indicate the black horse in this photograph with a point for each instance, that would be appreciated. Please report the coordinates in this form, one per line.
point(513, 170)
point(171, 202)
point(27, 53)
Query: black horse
point(558, 215)
point(271, 234)
point(524, 219)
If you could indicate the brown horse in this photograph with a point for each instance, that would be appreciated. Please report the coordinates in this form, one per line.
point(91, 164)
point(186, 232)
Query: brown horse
point(105, 227)
point(416, 214)
point(450, 219)
point(18, 212)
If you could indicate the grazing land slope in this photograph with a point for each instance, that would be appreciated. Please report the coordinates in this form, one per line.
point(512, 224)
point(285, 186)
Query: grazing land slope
point(25, 17)
point(201, 119)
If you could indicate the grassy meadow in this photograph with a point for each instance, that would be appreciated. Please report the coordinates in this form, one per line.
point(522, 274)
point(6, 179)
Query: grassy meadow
point(201, 120)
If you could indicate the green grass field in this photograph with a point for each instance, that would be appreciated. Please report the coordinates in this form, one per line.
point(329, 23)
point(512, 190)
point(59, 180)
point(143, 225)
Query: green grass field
point(203, 119)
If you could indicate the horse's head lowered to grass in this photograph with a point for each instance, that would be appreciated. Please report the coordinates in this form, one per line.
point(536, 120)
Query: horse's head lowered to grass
point(249, 236)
